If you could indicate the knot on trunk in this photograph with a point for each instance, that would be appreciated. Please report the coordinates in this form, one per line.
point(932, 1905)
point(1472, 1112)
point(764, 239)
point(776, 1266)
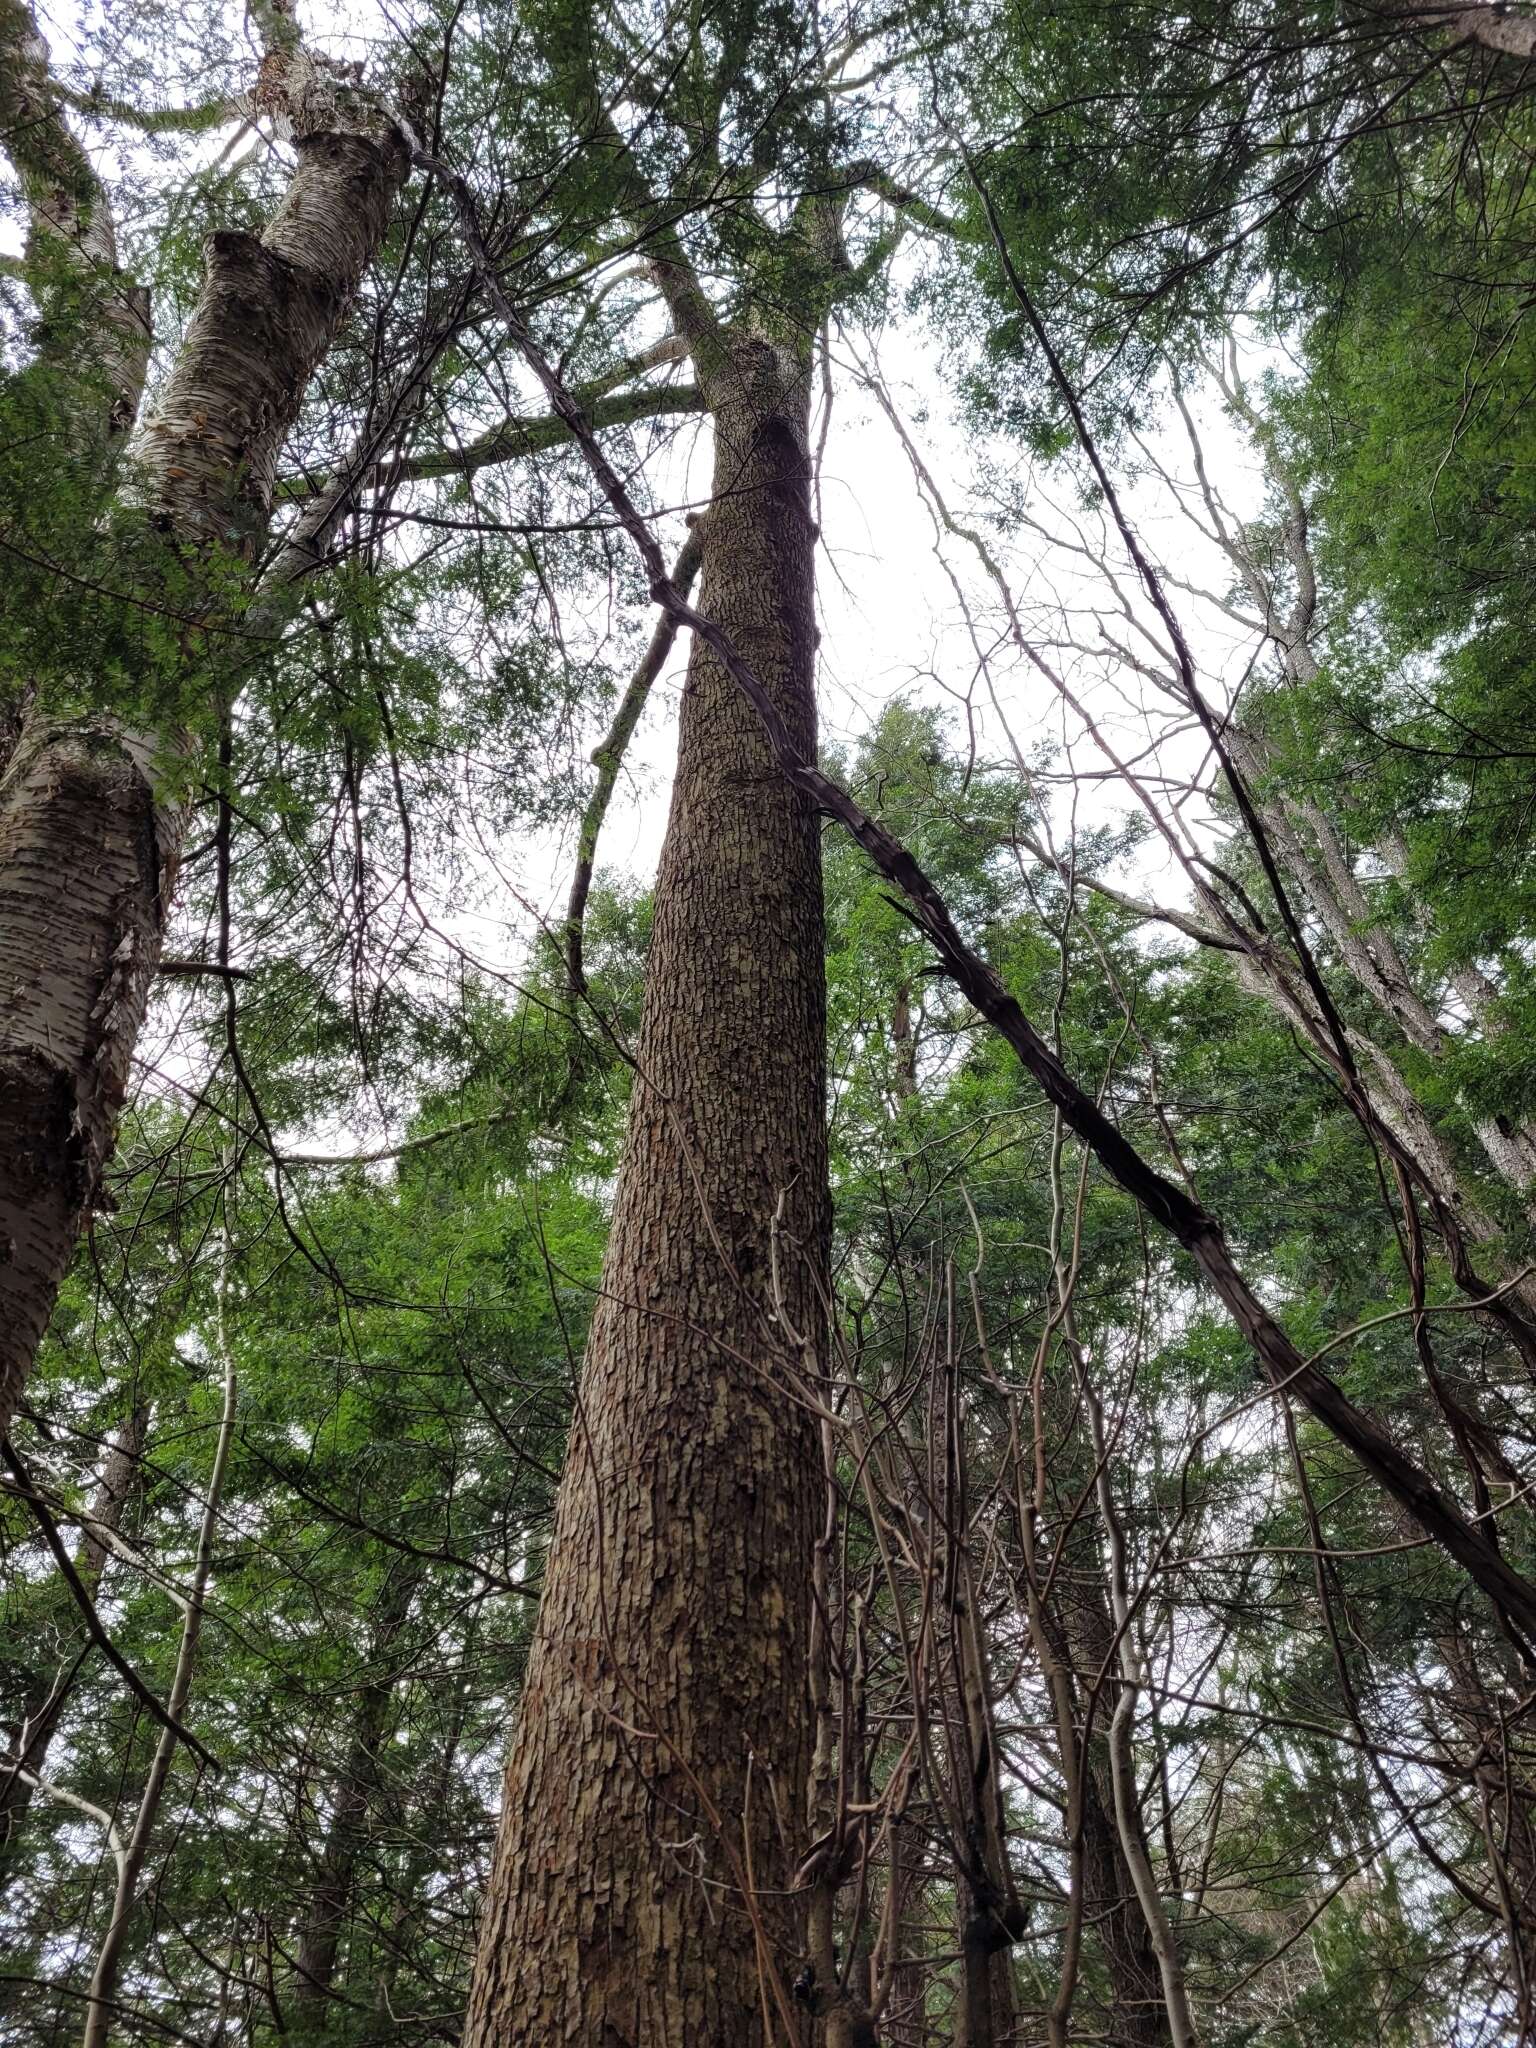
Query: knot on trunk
point(849, 2024)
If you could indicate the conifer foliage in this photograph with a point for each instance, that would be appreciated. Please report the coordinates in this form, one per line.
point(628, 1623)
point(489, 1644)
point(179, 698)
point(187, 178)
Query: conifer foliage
point(767, 1046)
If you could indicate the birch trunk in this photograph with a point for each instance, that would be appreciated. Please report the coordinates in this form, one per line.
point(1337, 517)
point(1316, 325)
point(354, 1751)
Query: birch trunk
point(89, 843)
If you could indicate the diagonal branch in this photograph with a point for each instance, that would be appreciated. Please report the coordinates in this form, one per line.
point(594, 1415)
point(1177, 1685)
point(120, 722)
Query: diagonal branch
point(1192, 1226)
point(609, 757)
point(168, 1721)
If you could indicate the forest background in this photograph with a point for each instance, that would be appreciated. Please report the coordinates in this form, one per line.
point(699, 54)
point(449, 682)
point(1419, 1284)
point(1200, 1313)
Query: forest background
point(1040, 1552)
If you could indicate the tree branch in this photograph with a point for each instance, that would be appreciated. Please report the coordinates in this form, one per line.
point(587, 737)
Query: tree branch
point(1286, 1369)
point(609, 757)
point(61, 1557)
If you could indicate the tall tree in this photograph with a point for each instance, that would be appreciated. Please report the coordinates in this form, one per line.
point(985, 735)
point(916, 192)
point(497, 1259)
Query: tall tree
point(639, 1892)
point(91, 814)
point(659, 1762)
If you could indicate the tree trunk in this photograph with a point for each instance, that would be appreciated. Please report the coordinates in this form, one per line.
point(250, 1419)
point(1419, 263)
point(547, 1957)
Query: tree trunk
point(1138, 2017)
point(659, 1767)
point(356, 1787)
point(46, 1694)
point(88, 850)
point(92, 337)
point(904, 2020)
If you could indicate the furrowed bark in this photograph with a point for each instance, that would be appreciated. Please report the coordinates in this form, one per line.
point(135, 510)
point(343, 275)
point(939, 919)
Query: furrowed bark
point(609, 758)
point(992, 1916)
point(1113, 1842)
point(1123, 1787)
point(1138, 2015)
point(88, 848)
point(1081, 1633)
point(1076, 1636)
point(659, 1766)
point(903, 2020)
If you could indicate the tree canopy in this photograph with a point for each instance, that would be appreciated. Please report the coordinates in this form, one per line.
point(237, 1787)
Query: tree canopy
point(1040, 1552)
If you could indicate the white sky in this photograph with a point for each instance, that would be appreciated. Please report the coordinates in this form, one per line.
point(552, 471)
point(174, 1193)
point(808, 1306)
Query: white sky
point(892, 624)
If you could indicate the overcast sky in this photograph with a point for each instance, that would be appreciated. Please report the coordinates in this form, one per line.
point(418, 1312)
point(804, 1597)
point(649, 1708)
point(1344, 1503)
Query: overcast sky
point(893, 624)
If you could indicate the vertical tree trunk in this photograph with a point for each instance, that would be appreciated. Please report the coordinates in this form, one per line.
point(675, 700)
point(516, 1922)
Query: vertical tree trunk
point(992, 1917)
point(418, 1866)
point(1138, 2010)
point(356, 1787)
point(660, 1763)
point(45, 1695)
point(1138, 2016)
point(88, 850)
point(903, 2018)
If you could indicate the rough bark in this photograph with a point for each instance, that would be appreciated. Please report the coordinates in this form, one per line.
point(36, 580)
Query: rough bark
point(992, 1916)
point(1169, 1205)
point(1138, 2017)
point(86, 866)
point(88, 848)
point(904, 2019)
point(609, 758)
point(659, 1767)
point(1477, 1702)
point(1081, 1623)
point(270, 307)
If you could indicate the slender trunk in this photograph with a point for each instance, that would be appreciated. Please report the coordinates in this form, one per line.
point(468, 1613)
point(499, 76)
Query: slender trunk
point(336, 1868)
point(46, 1695)
point(903, 2022)
point(1307, 839)
point(102, 1998)
point(1122, 1761)
point(1138, 2016)
point(992, 1916)
point(834, 1992)
point(421, 1860)
point(88, 848)
point(659, 1768)
point(1479, 1705)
